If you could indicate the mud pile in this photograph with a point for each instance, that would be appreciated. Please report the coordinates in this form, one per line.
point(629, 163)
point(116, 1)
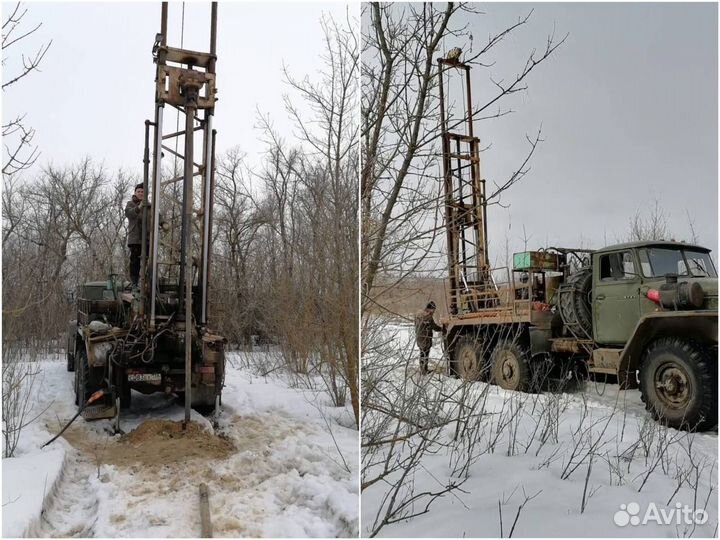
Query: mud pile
point(154, 442)
point(165, 442)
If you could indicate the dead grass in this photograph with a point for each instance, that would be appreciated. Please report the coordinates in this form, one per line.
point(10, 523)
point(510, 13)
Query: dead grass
point(409, 296)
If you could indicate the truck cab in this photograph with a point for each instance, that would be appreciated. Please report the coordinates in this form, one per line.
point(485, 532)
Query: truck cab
point(654, 325)
point(624, 274)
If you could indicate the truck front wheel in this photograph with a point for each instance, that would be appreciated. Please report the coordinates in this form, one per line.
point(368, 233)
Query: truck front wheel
point(510, 363)
point(678, 383)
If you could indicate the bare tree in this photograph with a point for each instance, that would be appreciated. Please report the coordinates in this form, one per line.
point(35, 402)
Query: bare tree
point(400, 128)
point(285, 253)
point(20, 154)
point(331, 201)
point(405, 419)
point(650, 226)
point(63, 228)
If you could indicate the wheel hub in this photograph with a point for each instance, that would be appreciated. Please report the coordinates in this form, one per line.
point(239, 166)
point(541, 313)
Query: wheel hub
point(509, 369)
point(467, 363)
point(673, 386)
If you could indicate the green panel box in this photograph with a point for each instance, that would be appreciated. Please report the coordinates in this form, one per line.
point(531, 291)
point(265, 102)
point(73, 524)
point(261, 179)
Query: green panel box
point(536, 260)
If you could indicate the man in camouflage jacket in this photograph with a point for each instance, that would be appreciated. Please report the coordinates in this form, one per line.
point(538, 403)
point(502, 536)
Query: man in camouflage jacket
point(424, 327)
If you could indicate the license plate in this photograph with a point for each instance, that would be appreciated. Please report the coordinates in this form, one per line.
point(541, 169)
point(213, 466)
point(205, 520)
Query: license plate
point(152, 378)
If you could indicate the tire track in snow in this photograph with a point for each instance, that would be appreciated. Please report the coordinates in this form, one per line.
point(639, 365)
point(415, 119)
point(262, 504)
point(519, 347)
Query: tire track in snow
point(280, 480)
point(71, 511)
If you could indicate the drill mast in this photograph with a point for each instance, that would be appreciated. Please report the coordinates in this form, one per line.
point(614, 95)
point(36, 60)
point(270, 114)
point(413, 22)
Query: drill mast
point(465, 203)
point(185, 80)
point(176, 287)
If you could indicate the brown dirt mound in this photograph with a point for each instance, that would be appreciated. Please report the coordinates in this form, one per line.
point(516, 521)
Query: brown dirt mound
point(163, 441)
point(154, 442)
point(163, 429)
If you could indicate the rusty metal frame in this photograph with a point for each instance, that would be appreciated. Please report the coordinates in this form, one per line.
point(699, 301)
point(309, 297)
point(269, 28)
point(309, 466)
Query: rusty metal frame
point(181, 75)
point(473, 296)
point(465, 202)
point(185, 80)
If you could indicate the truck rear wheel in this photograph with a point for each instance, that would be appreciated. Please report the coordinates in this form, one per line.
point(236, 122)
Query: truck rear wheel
point(82, 388)
point(678, 384)
point(467, 362)
point(70, 345)
point(510, 365)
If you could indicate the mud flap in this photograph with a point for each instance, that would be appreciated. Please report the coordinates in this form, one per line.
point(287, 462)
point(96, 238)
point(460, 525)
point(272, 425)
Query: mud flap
point(627, 380)
point(98, 412)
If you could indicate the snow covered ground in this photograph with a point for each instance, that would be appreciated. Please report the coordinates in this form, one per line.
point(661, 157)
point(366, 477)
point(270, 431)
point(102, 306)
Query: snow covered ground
point(588, 462)
point(281, 462)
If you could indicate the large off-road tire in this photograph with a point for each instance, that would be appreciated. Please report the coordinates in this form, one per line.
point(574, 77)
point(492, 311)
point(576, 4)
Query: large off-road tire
point(76, 382)
point(678, 384)
point(576, 308)
point(70, 345)
point(467, 360)
point(510, 366)
point(82, 382)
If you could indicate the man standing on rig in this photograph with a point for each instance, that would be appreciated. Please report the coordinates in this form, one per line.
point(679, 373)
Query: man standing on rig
point(424, 327)
point(133, 212)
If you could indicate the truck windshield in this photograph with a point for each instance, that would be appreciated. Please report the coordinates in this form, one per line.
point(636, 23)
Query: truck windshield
point(656, 262)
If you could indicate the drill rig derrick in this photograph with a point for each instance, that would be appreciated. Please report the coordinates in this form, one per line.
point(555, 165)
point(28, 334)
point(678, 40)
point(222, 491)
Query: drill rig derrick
point(465, 204)
point(174, 292)
point(185, 80)
point(157, 338)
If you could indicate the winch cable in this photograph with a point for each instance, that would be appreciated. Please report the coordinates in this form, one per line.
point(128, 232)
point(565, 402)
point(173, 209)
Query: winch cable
point(97, 395)
point(604, 385)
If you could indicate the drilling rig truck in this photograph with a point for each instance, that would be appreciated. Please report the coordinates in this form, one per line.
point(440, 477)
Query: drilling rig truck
point(157, 336)
point(643, 312)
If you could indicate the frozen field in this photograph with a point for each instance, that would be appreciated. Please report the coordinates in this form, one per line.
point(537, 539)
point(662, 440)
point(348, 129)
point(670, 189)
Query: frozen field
point(281, 462)
point(444, 459)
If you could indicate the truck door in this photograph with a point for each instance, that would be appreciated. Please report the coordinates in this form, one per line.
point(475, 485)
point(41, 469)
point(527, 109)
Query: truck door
point(616, 297)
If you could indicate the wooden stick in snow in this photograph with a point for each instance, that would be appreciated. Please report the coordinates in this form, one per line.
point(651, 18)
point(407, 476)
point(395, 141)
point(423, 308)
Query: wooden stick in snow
point(205, 524)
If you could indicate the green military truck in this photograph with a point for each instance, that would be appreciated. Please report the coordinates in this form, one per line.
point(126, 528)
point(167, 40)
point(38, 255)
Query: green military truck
point(644, 312)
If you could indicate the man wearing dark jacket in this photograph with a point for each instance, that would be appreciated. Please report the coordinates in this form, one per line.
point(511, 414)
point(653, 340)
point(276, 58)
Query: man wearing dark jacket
point(134, 214)
point(424, 327)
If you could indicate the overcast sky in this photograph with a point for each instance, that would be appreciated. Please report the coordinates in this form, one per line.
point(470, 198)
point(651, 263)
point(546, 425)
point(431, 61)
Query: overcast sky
point(628, 105)
point(96, 87)
point(629, 112)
